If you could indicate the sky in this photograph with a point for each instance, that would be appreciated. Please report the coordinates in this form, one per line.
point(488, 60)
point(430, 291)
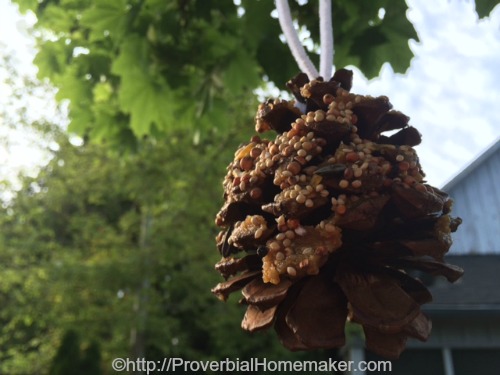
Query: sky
point(22, 153)
point(451, 91)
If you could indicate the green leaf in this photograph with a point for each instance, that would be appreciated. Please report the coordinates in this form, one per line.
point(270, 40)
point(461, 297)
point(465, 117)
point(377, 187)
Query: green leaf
point(385, 40)
point(25, 5)
point(106, 18)
point(102, 92)
point(143, 95)
point(52, 59)
point(263, 31)
point(484, 7)
point(57, 17)
point(74, 86)
point(242, 73)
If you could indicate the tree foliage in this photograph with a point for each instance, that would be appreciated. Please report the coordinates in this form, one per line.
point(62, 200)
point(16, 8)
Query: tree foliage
point(144, 67)
point(70, 359)
point(118, 250)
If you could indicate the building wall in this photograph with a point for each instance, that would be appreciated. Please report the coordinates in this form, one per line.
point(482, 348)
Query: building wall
point(431, 361)
point(463, 343)
point(476, 195)
point(462, 330)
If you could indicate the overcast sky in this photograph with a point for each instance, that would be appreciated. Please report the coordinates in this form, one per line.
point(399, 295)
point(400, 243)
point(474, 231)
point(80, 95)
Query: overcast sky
point(451, 91)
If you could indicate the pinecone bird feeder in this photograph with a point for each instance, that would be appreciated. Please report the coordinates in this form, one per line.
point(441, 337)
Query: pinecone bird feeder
point(323, 223)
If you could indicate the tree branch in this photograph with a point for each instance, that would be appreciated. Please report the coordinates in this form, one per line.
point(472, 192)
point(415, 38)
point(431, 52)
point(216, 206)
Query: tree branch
point(326, 35)
point(292, 38)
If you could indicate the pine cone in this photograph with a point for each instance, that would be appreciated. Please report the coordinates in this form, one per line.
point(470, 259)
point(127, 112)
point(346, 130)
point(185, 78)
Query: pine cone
point(321, 224)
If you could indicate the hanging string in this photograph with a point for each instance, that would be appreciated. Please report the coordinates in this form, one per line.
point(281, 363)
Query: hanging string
point(298, 51)
point(292, 38)
point(326, 37)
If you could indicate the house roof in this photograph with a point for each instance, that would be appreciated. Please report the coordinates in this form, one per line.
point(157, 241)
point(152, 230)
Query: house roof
point(478, 289)
point(472, 166)
point(476, 199)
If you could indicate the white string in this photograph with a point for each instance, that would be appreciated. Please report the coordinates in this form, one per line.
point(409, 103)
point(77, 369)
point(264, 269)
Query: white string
point(326, 36)
point(298, 52)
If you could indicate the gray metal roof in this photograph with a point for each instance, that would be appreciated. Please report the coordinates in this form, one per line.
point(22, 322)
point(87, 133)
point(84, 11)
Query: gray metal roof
point(472, 166)
point(477, 290)
point(476, 195)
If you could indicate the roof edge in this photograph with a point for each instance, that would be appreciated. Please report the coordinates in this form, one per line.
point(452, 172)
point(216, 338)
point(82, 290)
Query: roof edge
point(487, 307)
point(472, 166)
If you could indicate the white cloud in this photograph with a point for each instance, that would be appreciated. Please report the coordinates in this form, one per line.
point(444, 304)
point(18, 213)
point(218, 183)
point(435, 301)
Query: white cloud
point(452, 88)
